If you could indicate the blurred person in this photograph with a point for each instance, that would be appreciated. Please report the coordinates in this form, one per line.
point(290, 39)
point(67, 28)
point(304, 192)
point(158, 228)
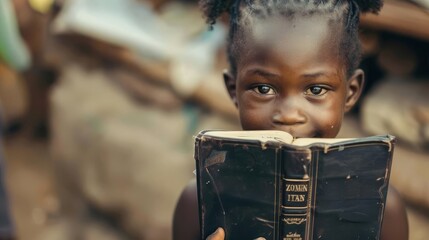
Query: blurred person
point(14, 53)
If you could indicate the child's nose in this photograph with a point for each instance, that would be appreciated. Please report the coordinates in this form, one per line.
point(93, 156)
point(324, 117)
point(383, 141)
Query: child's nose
point(289, 113)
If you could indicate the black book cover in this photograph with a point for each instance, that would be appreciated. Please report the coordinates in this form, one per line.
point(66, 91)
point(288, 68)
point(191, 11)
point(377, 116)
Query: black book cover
point(264, 187)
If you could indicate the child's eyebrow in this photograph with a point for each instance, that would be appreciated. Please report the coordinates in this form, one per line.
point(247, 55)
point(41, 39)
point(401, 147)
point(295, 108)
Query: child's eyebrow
point(261, 72)
point(315, 75)
point(319, 74)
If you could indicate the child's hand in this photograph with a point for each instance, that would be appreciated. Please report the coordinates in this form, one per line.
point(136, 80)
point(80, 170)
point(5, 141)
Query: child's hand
point(219, 234)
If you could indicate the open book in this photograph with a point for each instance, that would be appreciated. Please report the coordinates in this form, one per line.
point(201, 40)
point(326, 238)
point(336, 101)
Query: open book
point(268, 184)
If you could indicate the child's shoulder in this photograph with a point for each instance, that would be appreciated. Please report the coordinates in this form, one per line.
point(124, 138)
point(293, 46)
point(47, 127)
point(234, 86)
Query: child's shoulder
point(395, 222)
point(189, 197)
point(185, 220)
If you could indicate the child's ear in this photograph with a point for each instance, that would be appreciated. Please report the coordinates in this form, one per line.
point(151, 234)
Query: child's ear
point(354, 88)
point(230, 85)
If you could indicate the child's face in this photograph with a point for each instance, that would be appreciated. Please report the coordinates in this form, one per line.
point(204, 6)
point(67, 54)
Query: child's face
point(290, 77)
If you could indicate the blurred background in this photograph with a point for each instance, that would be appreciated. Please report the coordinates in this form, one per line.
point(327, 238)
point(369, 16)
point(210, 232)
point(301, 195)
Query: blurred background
point(99, 100)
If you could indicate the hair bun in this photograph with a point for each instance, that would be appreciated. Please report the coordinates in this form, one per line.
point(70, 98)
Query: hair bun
point(212, 9)
point(373, 6)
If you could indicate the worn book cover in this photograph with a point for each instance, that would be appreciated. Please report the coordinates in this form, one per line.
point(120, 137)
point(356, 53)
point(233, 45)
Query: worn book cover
point(265, 184)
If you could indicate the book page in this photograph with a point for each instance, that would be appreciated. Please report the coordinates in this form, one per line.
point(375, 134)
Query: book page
point(308, 141)
point(262, 136)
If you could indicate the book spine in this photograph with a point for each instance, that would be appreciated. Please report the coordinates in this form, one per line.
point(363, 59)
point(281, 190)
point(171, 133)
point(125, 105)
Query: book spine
point(296, 187)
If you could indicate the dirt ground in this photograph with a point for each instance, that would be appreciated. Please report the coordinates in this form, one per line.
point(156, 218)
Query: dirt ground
point(36, 208)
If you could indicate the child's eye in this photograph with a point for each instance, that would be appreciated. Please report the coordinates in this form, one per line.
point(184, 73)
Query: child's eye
point(316, 91)
point(264, 90)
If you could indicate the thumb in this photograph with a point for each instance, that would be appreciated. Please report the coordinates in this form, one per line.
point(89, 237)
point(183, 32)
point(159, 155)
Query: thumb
point(219, 234)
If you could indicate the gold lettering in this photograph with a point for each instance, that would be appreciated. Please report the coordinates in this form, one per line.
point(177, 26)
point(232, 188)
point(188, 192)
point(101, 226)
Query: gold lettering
point(295, 198)
point(296, 188)
point(292, 236)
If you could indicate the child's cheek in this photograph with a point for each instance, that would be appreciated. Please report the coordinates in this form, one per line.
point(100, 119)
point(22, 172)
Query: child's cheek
point(333, 130)
point(254, 116)
point(330, 124)
point(328, 116)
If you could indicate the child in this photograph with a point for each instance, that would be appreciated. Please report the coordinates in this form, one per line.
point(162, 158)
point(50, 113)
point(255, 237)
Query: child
point(293, 67)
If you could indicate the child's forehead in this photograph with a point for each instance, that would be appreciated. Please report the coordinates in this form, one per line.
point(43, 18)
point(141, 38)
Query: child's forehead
point(274, 30)
point(297, 41)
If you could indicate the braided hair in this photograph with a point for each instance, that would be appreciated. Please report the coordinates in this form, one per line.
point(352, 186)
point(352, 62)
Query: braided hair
point(242, 11)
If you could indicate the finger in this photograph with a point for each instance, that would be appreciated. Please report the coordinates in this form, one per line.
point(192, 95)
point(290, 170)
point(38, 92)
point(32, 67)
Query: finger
point(219, 234)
